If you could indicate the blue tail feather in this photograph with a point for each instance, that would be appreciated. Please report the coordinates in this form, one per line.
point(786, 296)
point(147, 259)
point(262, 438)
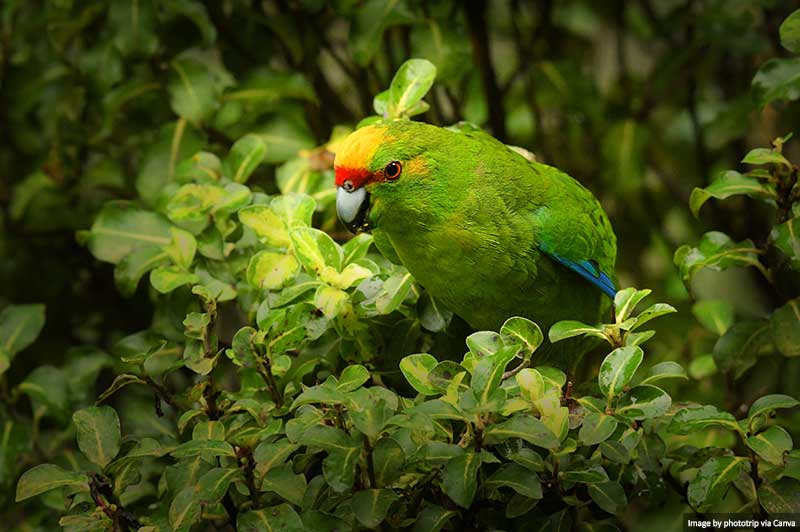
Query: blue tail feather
point(588, 271)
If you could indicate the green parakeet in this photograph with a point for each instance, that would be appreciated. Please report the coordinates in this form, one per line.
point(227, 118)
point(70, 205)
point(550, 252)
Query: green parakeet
point(489, 233)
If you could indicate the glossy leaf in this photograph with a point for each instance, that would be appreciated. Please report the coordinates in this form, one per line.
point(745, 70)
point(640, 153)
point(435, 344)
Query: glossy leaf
point(618, 368)
point(729, 184)
point(786, 237)
point(371, 506)
point(459, 479)
point(712, 480)
point(716, 251)
point(98, 433)
point(46, 477)
point(771, 445)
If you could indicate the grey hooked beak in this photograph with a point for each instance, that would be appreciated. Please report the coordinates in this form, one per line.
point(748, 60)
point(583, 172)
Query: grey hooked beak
point(353, 208)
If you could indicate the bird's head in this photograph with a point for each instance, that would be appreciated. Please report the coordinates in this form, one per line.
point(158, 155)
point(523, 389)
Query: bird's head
point(376, 164)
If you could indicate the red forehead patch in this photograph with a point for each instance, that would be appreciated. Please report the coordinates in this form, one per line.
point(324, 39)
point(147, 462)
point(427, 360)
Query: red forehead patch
point(358, 176)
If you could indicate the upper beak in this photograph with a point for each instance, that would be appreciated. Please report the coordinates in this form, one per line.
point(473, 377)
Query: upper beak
point(353, 208)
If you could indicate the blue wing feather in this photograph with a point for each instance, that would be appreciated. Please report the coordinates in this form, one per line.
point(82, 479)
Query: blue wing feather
point(585, 269)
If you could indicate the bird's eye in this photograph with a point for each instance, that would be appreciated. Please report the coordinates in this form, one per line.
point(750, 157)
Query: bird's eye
point(392, 170)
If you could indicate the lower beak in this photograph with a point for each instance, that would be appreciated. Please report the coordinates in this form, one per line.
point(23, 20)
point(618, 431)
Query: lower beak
point(353, 208)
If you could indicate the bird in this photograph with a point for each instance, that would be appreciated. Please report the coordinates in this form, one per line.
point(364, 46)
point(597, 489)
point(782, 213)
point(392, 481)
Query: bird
point(488, 232)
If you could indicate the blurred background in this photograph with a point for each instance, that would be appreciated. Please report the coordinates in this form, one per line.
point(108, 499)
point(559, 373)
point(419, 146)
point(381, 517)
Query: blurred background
point(640, 100)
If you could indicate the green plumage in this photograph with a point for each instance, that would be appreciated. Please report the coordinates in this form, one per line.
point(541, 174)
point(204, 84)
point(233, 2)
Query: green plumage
point(469, 218)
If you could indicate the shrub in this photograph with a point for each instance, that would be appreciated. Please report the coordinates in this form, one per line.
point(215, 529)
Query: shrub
point(267, 371)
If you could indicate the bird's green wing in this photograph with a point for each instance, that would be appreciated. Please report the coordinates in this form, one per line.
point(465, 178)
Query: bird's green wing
point(574, 231)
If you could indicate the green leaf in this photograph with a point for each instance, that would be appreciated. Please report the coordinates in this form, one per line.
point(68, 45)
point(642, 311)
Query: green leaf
point(618, 368)
point(663, 371)
point(772, 444)
point(122, 228)
point(213, 485)
point(46, 477)
point(284, 139)
point(133, 27)
point(693, 419)
point(331, 301)
point(209, 430)
point(790, 32)
point(48, 386)
point(370, 21)
point(394, 291)
point(352, 377)
point(524, 427)
point(190, 207)
point(781, 497)
point(19, 327)
point(286, 483)
point(195, 87)
point(272, 454)
point(176, 142)
point(369, 415)
point(339, 468)
point(585, 473)
point(432, 316)
point(267, 224)
point(785, 326)
point(712, 481)
point(356, 248)
point(165, 279)
point(203, 447)
point(786, 238)
point(523, 332)
point(412, 81)
point(650, 313)
point(98, 433)
point(459, 479)
point(484, 343)
point(769, 403)
point(731, 183)
point(626, 300)
point(716, 251)
point(702, 367)
point(195, 12)
point(759, 156)
point(716, 315)
point(610, 496)
point(388, 458)
point(777, 79)
point(371, 506)
point(271, 270)
point(315, 250)
point(488, 373)
point(521, 479)
point(433, 518)
point(568, 329)
point(739, 347)
point(596, 428)
point(615, 451)
point(134, 265)
point(416, 368)
point(245, 155)
point(623, 149)
point(531, 384)
point(182, 248)
point(275, 518)
point(643, 402)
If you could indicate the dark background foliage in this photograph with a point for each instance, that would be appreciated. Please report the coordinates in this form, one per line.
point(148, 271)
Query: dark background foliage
point(642, 101)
